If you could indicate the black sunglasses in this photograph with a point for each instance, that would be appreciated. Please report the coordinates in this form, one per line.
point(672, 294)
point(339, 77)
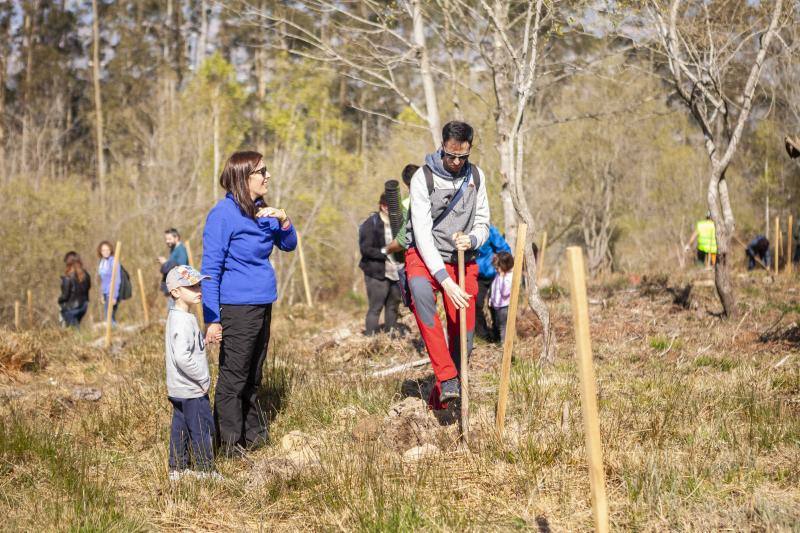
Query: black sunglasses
point(262, 171)
point(455, 157)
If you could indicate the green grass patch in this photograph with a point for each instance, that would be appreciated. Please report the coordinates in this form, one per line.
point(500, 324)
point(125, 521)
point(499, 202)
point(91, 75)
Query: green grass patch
point(55, 483)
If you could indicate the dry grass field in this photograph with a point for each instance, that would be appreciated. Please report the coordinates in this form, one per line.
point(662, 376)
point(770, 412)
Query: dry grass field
point(700, 422)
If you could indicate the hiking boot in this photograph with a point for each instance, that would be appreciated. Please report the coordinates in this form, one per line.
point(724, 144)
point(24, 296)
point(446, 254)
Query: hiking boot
point(450, 390)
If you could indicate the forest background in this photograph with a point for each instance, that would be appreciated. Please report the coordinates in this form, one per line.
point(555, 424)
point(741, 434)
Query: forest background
point(117, 116)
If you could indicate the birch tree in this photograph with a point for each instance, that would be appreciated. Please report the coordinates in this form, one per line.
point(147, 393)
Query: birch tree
point(705, 45)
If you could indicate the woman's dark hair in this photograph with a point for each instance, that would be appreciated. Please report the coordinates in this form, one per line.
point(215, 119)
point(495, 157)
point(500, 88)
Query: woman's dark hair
point(100, 246)
point(457, 131)
point(235, 179)
point(74, 265)
point(503, 261)
point(408, 173)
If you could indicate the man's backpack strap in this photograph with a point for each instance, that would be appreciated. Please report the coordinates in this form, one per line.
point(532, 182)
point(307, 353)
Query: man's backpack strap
point(476, 177)
point(428, 178)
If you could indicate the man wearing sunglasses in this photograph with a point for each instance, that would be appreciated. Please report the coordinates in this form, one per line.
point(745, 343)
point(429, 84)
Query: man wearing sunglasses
point(449, 212)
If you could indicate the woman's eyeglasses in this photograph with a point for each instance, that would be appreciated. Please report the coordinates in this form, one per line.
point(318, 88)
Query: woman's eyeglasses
point(262, 171)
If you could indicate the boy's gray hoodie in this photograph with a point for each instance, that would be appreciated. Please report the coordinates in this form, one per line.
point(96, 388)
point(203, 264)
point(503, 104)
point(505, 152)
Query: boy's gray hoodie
point(470, 215)
point(187, 365)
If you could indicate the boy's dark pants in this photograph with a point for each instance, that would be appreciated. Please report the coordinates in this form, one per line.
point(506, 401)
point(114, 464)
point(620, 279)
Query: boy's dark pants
point(238, 413)
point(192, 425)
point(481, 326)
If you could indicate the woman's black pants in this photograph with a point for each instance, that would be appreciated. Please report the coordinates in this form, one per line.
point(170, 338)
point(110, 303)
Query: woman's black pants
point(238, 415)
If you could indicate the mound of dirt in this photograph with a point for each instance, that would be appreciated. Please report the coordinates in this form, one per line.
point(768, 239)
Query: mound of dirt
point(21, 351)
point(298, 454)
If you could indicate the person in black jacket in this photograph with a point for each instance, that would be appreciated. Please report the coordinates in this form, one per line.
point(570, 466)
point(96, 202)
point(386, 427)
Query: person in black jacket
point(75, 285)
point(380, 270)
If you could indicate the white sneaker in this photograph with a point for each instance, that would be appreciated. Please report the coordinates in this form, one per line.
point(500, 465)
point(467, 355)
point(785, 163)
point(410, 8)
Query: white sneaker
point(176, 475)
point(203, 475)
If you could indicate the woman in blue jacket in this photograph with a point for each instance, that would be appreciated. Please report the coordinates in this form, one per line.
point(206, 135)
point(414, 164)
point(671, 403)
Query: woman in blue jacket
point(238, 239)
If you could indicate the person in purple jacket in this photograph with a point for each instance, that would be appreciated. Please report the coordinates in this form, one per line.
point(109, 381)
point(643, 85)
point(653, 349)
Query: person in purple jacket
point(238, 239)
point(105, 252)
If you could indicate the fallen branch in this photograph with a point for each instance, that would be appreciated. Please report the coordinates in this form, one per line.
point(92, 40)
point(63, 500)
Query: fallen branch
point(400, 368)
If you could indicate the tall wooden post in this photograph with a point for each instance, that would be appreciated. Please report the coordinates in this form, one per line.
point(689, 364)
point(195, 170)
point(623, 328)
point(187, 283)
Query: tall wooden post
point(789, 250)
point(463, 352)
point(188, 246)
point(303, 270)
point(580, 314)
point(776, 244)
point(17, 318)
point(30, 309)
point(511, 328)
point(145, 312)
point(112, 299)
point(198, 311)
point(540, 259)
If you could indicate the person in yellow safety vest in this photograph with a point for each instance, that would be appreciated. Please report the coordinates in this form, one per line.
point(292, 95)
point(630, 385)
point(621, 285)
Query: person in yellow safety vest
point(706, 235)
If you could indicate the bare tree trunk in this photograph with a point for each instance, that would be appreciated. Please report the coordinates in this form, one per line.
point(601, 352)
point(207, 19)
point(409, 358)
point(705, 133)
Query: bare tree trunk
point(29, 24)
point(722, 215)
point(512, 91)
point(202, 38)
point(98, 106)
point(3, 170)
point(216, 163)
point(428, 86)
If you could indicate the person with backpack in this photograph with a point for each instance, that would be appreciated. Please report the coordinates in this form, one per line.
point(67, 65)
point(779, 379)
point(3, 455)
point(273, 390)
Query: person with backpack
point(177, 256)
point(380, 269)
point(105, 251)
point(449, 212)
point(75, 286)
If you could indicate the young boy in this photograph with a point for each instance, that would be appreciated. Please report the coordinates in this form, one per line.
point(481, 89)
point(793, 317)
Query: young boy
point(188, 380)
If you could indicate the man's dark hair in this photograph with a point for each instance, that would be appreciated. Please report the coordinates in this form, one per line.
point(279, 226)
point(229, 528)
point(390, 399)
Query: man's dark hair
point(408, 173)
point(457, 131)
point(382, 201)
point(173, 232)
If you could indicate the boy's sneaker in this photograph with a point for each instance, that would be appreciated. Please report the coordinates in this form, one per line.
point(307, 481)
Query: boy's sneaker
point(450, 390)
point(176, 475)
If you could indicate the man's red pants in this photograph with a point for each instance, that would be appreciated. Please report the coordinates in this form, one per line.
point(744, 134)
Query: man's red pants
point(423, 287)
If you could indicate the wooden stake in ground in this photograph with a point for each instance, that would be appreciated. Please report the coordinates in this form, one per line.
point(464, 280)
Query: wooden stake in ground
point(303, 270)
point(112, 293)
point(188, 246)
point(198, 310)
point(540, 259)
point(789, 251)
point(17, 318)
point(463, 353)
point(145, 313)
point(591, 425)
point(511, 328)
point(30, 309)
point(776, 244)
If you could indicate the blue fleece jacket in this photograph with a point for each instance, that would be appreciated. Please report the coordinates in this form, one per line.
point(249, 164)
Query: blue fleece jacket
point(494, 244)
point(236, 252)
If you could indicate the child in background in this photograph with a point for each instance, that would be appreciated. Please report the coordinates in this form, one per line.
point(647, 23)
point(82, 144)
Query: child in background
point(500, 293)
point(188, 381)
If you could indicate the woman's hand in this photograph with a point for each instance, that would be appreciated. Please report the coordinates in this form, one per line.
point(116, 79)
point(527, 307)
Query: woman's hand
point(273, 212)
point(459, 298)
point(214, 333)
